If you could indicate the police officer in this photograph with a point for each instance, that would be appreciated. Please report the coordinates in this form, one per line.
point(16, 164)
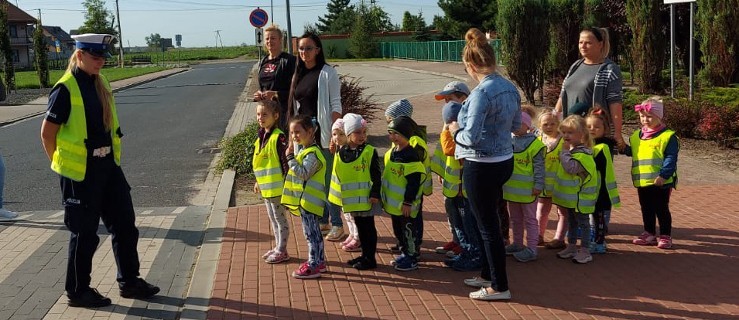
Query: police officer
point(82, 138)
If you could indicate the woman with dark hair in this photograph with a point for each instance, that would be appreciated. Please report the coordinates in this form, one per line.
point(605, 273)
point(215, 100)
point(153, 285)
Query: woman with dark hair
point(483, 137)
point(275, 72)
point(316, 93)
point(594, 81)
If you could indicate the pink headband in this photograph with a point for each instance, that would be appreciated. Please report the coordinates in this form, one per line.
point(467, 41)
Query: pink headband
point(653, 107)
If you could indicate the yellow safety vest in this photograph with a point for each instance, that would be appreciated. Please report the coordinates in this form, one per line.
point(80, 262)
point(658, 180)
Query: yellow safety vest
point(394, 183)
point(648, 156)
point(267, 166)
point(611, 185)
point(450, 171)
point(70, 157)
point(551, 163)
point(518, 188)
point(426, 185)
point(309, 195)
point(573, 192)
point(351, 182)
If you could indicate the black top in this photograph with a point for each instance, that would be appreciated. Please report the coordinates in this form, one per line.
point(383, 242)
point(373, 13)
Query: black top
point(408, 155)
point(276, 75)
point(604, 200)
point(60, 106)
point(348, 155)
point(306, 91)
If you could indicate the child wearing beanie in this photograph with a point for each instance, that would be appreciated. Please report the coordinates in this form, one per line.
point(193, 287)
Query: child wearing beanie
point(338, 139)
point(402, 190)
point(654, 149)
point(355, 185)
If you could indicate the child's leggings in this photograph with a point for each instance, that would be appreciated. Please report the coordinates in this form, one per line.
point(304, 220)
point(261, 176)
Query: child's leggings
point(312, 232)
point(655, 205)
point(351, 225)
point(277, 216)
point(578, 221)
point(368, 234)
point(598, 226)
point(523, 216)
point(542, 214)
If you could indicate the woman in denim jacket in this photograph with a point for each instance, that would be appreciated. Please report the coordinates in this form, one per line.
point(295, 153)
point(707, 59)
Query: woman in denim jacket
point(483, 137)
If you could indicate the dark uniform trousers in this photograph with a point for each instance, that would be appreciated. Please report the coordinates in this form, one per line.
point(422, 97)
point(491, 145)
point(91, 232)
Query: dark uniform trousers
point(103, 194)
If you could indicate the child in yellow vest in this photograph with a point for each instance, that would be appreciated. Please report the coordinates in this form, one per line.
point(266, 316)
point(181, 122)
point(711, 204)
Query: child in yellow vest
point(402, 188)
point(654, 172)
point(355, 185)
point(338, 140)
point(522, 190)
point(603, 151)
point(576, 187)
point(305, 191)
point(270, 166)
point(548, 123)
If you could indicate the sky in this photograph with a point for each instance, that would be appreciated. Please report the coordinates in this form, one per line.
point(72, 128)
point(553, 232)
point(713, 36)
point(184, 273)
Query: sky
point(198, 20)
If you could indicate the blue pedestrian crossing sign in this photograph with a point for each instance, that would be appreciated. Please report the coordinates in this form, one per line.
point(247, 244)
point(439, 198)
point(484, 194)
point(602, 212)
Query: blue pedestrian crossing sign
point(258, 18)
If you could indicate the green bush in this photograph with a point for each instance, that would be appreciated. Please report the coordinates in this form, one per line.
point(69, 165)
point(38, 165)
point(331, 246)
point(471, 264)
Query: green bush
point(630, 99)
point(682, 116)
point(716, 124)
point(237, 151)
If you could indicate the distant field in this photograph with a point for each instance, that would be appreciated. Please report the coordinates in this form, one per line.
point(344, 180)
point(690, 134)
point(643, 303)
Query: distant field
point(196, 54)
point(29, 79)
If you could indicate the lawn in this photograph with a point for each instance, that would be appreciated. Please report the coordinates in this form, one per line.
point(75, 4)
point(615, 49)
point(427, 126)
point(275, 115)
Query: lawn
point(29, 79)
point(195, 54)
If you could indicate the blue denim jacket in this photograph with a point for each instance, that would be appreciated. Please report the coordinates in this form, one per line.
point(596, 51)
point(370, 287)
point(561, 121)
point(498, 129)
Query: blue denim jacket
point(488, 116)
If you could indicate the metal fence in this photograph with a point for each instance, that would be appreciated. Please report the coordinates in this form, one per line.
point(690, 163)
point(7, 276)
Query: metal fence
point(430, 50)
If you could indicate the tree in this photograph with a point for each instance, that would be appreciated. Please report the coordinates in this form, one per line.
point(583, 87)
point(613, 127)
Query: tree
point(565, 20)
point(459, 16)
point(378, 19)
point(153, 40)
point(522, 26)
point(339, 19)
point(40, 54)
point(649, 43)
point(413, 23)
point(718, 27)
point(361, 43)
point(97, 18)
point(5, 47)
point(310, 28)
point(611, 14)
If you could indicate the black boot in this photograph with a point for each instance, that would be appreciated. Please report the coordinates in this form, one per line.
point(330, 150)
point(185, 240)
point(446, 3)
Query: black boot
point(89, 298)
point(137, 289)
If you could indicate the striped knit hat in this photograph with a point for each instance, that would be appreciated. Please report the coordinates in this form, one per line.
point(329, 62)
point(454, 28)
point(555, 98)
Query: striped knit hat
point(399, 108)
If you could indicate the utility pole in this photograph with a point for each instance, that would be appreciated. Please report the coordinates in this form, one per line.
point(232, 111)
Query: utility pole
point(218, 37)
point(120, 36)
point(289, 29)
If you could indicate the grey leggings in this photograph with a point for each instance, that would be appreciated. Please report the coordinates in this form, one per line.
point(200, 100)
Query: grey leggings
point(278, 219)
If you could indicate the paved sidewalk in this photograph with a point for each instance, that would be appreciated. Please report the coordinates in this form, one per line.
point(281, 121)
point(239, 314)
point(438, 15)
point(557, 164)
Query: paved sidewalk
point(691, 281)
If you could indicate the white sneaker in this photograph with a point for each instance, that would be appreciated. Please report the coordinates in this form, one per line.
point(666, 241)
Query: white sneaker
point(484, 295)
point(6, 214)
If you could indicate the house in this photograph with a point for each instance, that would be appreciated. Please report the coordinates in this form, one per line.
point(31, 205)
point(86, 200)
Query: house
point(21, 36)
point(59, 43)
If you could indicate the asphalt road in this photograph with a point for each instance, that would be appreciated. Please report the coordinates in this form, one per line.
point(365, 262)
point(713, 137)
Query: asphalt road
point(170, 128)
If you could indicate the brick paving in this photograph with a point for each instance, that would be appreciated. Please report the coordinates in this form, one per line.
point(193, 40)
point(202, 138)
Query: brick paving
point(691, 281)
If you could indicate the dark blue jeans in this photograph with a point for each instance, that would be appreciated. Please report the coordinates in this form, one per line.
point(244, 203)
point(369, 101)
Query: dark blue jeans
point(484, 184)
point(464, 224)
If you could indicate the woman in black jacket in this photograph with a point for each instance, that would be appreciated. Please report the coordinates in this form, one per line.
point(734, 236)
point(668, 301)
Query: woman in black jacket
point(275, 72)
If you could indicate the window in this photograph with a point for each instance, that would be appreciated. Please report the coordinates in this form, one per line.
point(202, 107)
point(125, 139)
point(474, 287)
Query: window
point(16, 55)
point(13, 31)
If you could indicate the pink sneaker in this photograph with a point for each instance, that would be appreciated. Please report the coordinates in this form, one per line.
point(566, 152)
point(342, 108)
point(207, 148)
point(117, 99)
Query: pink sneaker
point(353, 246)
point(348, 239)
point(645, 239)
point(268, 253)
point(277, 257)
point(306, 272)
point(322, 267)
point(664, 242)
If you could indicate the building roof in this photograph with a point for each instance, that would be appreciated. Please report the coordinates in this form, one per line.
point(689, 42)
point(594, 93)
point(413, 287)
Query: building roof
point(17, 15)
point(58, 33)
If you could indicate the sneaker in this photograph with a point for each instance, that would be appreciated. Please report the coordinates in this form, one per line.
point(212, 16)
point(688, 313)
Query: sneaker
point(353, 246)
point(555, 244)
point(513, 248)
point(406, 263)
point(7, 214)
point(325, 228)
point(583, 256)
point(138, 289)
point(478, 282)
point(352, 262)
point(569, 252)
point(451, 261)
point(598, 248)
point(446, 247)
point(348, 239)
point(89, 298)
point(277, 257)
point(525, 255)
point(306, 272)
point(268, 253)
point(322, 268)
point(336, 234)
point(541, 241)
point(665, 242)
point(365, 264)
point(454, 252)
point(466, 264)
point(645, 239)
point(484, 295)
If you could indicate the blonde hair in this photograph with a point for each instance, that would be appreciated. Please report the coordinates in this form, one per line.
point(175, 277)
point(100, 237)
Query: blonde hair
point(104, 93)
point(605, 39)
point(478, 52)
point(577, 123)
point(547, 112)
point(274, 28)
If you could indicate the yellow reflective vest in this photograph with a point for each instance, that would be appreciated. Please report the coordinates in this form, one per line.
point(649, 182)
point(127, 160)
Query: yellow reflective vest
point(394, 183)
point(351, 182)
point(610, 174)
point(521, 183)
point(647, 158)
point(70, 157)
point(551, 163)
point(309, 195)
point(575, 192)
point(450, 171)
point(267, 166)
point(426, 185)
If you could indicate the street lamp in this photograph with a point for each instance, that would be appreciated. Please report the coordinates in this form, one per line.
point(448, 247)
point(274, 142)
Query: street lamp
point(120, 36)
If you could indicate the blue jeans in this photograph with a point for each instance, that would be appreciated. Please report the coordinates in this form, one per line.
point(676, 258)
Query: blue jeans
point(2, 179)
point(484, 184)
point(463, 224)
point(578, 223)
point(312, 232)
point(330, 210)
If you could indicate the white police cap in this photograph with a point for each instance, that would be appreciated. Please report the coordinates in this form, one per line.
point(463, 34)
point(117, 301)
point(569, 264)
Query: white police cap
point(97, 44)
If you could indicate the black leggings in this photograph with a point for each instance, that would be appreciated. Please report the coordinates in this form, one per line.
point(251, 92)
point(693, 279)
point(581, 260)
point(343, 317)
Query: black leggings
point(368, 236)
point(655, 205)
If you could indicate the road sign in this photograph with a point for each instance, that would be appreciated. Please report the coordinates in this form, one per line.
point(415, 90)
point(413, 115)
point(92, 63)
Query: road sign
point(259, 36)
point(58, 45)
point(258, 18)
